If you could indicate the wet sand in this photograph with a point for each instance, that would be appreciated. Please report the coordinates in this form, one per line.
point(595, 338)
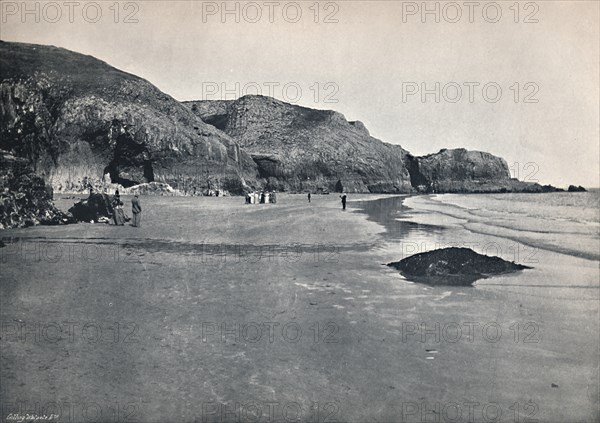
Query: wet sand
point(257, 313)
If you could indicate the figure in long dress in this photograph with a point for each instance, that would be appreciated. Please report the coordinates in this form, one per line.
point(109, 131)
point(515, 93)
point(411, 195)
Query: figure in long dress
point(136, 209)
point(119, 214)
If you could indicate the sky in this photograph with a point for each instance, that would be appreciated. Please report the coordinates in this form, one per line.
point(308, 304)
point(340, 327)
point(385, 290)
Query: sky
point(517, 79)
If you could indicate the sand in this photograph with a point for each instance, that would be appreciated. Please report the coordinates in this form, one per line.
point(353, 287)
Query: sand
point(315, 328)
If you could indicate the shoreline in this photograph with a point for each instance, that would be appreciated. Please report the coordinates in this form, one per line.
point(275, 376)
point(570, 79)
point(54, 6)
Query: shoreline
point(181, 296)
point(499, 231)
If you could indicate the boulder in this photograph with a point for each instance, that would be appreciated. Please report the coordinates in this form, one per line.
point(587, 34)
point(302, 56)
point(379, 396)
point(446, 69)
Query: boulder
point(453, 266)
point(93, 208)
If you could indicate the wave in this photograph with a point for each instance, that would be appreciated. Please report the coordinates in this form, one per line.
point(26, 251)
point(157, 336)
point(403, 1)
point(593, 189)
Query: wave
point(535, 221)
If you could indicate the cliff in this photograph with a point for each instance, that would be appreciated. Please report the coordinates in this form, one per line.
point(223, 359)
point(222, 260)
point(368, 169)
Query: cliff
point(463, 171)
point(77, 119)
point(298, 148)
point(80, 122)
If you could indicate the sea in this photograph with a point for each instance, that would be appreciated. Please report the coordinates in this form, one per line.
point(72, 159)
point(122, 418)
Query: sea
point(566, 223)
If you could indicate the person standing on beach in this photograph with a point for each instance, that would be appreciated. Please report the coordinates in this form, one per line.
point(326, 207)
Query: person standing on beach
point(119, 214)
point(309, 197)
point(343, 197)
point(116, 198)
point(136, 209)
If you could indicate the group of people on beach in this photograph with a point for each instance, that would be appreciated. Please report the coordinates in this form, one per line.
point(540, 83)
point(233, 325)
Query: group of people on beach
point(262, 198)
point(270, 197)
point(119, 216)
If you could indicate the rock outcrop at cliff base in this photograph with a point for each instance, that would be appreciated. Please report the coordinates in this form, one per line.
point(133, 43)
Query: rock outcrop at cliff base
point(25, 199)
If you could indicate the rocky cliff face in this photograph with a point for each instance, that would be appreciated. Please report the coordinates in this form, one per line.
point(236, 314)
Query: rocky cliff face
point(77, 119)
point(297, 148)
point(81, 122)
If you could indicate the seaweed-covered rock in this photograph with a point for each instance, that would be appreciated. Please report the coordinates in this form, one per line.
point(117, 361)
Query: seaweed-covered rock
point(453, 266)
point(25, 199)
point(92, 208)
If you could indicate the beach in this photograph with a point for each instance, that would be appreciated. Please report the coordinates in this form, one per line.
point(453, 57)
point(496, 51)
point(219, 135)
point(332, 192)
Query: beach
point(218, 311)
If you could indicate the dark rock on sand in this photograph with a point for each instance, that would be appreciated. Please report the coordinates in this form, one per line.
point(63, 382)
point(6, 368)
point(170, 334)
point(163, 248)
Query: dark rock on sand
point(453, 266)
point(93, 208)
point(25, 199)
point(573, 188)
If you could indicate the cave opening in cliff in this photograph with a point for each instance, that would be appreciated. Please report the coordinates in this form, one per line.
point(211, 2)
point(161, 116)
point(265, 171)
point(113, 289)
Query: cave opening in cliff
point(131, 164)
point(416, 177)
point(148, 171)
point(218, 121)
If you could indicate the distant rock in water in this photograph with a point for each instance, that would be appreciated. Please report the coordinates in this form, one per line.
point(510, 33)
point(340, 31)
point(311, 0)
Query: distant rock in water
point(453, 266)
point(573, 188)
point(92, 208)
